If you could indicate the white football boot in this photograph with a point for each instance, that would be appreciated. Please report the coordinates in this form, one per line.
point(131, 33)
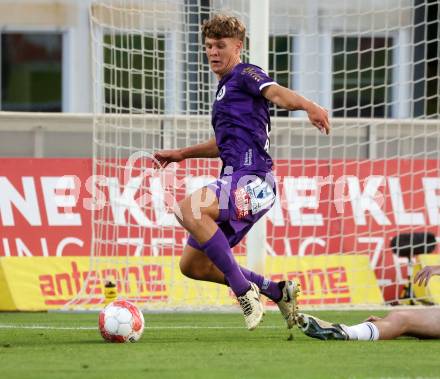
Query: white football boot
point(252, 307)
point(288, 303)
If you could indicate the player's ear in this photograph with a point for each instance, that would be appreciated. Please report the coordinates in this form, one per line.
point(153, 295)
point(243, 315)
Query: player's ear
point(238, 46)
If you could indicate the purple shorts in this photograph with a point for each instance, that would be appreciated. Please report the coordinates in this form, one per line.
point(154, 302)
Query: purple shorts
point(243, 199)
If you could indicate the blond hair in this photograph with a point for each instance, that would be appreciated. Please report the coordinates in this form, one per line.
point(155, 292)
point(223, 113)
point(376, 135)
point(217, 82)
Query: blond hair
point(223, 26)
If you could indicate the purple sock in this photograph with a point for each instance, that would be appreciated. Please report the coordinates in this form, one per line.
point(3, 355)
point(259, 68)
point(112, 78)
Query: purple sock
point(218, 250)
point(267, 287)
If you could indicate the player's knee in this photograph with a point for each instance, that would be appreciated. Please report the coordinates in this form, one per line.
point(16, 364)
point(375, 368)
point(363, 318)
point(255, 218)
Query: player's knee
point(398, 314)
point(187, 216)
point(400, 319)
point(183, 213)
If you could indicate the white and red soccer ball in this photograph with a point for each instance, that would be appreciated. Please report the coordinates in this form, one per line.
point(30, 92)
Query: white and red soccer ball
point(121, 321)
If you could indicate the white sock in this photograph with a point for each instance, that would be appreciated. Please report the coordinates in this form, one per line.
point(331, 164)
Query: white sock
point(366, 331)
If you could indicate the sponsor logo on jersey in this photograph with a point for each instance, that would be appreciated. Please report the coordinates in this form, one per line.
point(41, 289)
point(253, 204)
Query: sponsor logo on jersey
point(253, 197)
point(250, 71)
point(242, 202)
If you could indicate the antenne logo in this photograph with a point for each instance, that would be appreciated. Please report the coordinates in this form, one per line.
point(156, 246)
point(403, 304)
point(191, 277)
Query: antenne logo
point(145, 282)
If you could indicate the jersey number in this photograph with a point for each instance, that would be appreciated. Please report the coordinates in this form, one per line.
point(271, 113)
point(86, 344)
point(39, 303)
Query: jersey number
point(267, 144)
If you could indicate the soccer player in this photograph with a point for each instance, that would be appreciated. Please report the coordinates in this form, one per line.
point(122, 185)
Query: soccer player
point(420, 323)
point(219, 215)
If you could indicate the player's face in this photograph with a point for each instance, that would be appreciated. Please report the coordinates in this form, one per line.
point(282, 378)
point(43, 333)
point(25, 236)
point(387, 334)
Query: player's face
point(223, 54)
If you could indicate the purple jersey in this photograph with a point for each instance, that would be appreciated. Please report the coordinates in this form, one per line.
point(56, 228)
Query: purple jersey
point(241, 121)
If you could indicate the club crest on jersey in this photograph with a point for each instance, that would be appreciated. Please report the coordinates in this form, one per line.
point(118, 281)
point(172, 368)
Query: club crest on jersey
point(221, 93)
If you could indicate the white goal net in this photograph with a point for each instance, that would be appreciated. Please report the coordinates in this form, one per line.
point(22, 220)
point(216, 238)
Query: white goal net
point(355, 210)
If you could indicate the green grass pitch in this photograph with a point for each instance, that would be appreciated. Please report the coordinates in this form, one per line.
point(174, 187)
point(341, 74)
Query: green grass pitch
point(202, 345)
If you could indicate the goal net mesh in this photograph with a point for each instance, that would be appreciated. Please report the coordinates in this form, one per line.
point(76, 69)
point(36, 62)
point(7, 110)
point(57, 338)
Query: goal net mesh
point(355, 210)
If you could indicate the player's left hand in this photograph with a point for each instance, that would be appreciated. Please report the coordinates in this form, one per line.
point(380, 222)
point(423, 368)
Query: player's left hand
point(318, 116)
point(423, 276)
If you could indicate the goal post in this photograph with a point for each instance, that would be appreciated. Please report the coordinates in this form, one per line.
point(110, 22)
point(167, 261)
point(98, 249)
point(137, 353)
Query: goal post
point(356, 211)
point(259, 55)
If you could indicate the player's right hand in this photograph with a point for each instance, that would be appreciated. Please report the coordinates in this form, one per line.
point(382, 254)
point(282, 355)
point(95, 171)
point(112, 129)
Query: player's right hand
point(423, 276)
point(165, 157)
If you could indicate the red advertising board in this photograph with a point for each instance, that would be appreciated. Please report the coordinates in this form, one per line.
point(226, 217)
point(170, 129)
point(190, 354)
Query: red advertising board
point(323, 207)
point(35, 219)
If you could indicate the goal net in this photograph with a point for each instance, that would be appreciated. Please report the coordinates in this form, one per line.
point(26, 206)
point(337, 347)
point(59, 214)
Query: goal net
point(355, 210)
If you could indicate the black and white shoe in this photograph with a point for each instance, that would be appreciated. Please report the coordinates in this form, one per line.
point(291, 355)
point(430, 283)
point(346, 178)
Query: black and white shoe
point(314, 327)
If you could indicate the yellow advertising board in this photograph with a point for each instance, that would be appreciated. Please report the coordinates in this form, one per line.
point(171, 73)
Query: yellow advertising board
point(41, 283)
point(432, 291)
point(51, 282)
point(327, 280)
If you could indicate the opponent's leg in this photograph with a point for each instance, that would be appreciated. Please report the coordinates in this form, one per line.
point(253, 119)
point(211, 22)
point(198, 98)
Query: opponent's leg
point(420, 323)
point(197, 214)
point(316, 328)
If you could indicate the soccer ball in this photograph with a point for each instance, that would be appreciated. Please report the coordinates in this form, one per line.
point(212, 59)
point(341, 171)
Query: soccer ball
point(121, 321)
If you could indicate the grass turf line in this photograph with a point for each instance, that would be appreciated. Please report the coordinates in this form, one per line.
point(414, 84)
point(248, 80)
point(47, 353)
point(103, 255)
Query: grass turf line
point(203, 346)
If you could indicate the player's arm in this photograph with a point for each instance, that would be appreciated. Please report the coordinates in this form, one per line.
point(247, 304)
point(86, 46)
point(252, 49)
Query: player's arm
point(423, 276)
point(206, 149)
point(292, 101)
